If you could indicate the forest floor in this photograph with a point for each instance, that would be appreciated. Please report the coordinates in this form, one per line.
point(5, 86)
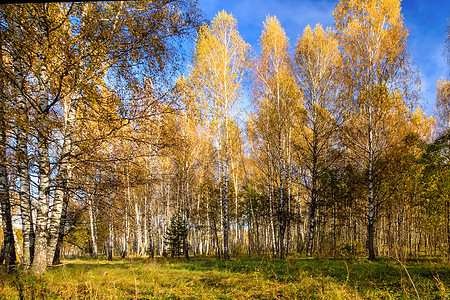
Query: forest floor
point(240, 278)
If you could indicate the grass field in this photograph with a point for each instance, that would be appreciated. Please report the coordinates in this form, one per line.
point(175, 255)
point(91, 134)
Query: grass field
point(240, 278)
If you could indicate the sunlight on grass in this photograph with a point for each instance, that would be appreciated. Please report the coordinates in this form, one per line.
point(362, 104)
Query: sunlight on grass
point(244, 278)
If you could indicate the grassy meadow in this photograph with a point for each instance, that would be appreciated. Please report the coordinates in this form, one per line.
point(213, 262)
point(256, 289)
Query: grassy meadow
point(240, 278)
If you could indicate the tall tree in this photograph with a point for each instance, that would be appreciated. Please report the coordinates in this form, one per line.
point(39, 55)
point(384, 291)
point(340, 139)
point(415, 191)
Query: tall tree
point(236, 171)
point(436, 185)
point(373, 41)
point(79, 45)
point(45, 23)
point(8, 248)
point(17, 47)
point(317, 59)
point(278, 93)
point(219, 62)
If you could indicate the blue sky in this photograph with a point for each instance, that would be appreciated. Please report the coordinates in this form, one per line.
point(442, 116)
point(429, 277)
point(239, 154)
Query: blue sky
point(426, 20)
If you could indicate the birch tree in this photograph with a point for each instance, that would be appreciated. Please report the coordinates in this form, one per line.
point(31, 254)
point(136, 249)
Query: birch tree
point(378, 79)
point(8, 246)
point(17, 48)
point(278, 95)
point(318, 64)
point(219, 62)
point(78, 44)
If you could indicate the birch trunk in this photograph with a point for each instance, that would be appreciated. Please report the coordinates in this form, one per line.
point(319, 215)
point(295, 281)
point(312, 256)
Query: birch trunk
point(110, 231)
point(299, 223)
point(17, 246)
point(8, 250)
point(187, 207)
point(145, 223)
point(371, 215)
point(62, 225)
point(447, 225)
point(225, 223)
point(269, 191)
point(93, 226)
point(208, 226)
point(151, 247)
point(22, 158)
point(313, 200)
point(138, 227)
point(281, 204)
point(42, 210)
point(271, 213)
point(127, 223)
point(62, 178)
point(236, 236)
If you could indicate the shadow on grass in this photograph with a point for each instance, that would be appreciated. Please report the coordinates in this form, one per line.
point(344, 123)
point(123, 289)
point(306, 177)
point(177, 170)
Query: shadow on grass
point(358, 270)
point(427, 277)
point(379, 279)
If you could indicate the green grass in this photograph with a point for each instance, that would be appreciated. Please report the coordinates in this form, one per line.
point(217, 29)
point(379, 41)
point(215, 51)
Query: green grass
point(240, 278)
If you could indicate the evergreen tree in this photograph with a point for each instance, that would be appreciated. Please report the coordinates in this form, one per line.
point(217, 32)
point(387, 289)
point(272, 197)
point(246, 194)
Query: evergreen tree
point(176, 237)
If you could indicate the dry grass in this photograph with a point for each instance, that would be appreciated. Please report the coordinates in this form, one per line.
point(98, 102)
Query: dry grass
point(243, 278)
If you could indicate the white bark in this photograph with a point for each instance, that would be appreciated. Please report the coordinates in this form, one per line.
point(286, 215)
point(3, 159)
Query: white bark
point(22, 159)
point(93, 226)
point(16, 243)
point(138, 227)
point(110, 231)
point(8, 250)
point(42, 210)
point(62, 178)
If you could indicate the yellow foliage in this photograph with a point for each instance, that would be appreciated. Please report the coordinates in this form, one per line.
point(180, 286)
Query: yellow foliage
point(220, 60)
point(443, 102)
